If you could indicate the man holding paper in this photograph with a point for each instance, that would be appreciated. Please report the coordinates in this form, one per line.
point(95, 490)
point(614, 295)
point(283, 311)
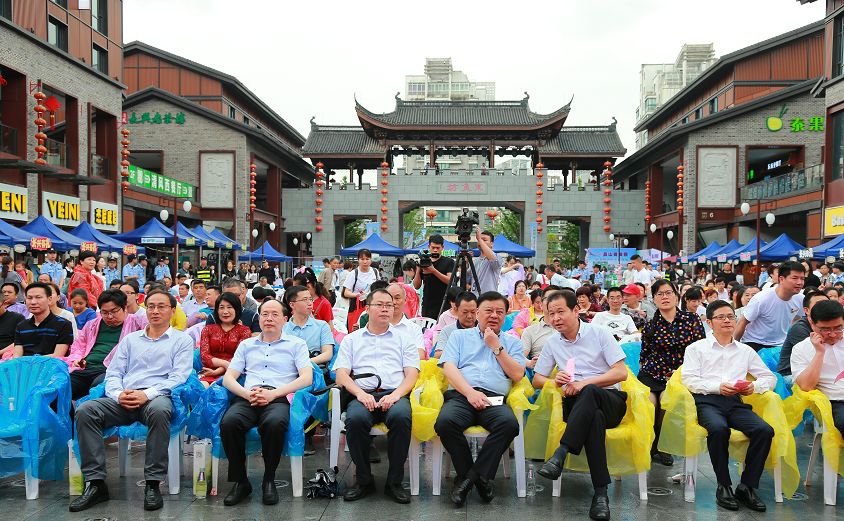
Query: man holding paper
point(715, 371)
point(591, 366)
point(818, 361)
point(481, 365)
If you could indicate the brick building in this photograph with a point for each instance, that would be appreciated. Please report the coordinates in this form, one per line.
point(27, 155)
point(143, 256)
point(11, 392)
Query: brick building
point(199, 126)
point(750, 128)
point(75, 58)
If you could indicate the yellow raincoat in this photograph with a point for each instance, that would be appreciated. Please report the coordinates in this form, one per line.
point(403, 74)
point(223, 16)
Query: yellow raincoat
point(818, 403)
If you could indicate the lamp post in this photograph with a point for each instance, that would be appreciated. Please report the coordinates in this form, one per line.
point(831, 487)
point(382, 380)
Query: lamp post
point(770, 218)
point(618, 240)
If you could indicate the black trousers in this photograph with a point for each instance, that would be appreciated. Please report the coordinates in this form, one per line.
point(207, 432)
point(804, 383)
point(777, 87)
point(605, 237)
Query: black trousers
point(588, 415)
point(82, 380)
point(838, 414)
point(272, 421)
point(359, 422)
point(718, 414)
point(457, 415)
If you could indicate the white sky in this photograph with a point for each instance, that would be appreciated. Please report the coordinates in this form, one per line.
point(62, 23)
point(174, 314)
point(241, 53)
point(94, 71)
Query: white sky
point(310, 58)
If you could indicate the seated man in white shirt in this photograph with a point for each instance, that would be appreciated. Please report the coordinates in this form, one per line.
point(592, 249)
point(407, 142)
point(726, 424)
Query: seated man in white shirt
point(618, 323)
point(401, 323)
point(146, 367)
point(715, 371)
point(388, 354)
point(593, 401)
point(276, 366)
point(817, 361)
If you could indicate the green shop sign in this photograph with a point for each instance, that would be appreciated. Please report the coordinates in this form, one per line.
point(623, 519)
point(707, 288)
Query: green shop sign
point(777, 123)
point(156, 118)
point(158, 183)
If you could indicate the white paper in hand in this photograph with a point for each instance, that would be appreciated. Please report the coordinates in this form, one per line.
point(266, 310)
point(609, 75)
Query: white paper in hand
point(495, 400)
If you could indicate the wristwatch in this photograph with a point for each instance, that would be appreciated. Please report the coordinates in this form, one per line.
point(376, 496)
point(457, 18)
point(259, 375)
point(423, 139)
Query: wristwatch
point(497, 352)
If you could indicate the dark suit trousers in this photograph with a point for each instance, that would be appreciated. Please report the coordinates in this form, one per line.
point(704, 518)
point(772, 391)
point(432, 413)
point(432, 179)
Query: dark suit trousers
point(718, 414)
point(457, 415)
point(838, 414)
point(588, 415)
point(359, 422)
point(272, 421)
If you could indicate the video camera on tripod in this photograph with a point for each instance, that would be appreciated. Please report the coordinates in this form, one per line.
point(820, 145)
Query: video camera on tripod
point(464, 226)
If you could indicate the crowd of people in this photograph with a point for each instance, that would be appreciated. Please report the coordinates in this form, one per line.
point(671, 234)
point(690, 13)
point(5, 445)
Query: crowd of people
point(136, 333)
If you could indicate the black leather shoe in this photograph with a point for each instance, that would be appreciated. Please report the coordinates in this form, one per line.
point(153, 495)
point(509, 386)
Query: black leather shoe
point(152, 497)
point(748, 497)
point(663, 458)
point(724, 497)
point(238, 493)
point(462, 487)
point(600, 509)
point(95, 492)
point(485, 488)
point(397, 493)
point(358, 491)
point(269, 494)
point(553, 468)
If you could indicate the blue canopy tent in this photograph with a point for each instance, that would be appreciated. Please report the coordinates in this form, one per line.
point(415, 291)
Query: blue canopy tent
point(86, 232)
point(779, 249)
point(61, 240)
point(829, 249)
point(504, 245)
point(266, 252)
point(210, 242)
point(725, 250)
point(447, 246)
point(218, 236)
point(186, 232)
point(375, 244)
point(712, 246)
point(11, 235)
point(750, 248)
point(152, 232)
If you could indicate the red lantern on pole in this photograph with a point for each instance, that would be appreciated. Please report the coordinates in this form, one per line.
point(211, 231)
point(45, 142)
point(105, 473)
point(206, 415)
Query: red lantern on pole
point(319, 192)
point(540, 173)
point(607, 192)
point(430, 213)
point(385, 172)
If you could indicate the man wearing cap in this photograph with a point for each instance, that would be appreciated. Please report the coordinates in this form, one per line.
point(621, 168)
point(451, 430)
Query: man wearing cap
point(162, 270)
point(632, 295)
point(134, 271)
point(53, 268)
point(111, 272)
point(203, 272)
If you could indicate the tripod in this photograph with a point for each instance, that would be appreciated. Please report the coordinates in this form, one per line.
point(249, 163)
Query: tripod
point(463, 262)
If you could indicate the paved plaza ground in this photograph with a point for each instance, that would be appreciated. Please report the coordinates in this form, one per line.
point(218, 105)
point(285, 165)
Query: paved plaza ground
point(126, 502)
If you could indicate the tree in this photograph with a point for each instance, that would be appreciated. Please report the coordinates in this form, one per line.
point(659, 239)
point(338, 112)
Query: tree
point(414, 224)
point(509, 223)
point(354, 232)
point(565, 245)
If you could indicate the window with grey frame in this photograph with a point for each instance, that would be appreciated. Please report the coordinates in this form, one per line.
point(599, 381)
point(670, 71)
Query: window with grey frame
point(6, 9)
point(57, 34)
point(99, 59)
point(713, 105)
point(99, 16)
point(837, 152)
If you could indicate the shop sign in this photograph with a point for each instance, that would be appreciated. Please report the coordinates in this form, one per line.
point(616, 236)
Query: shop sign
point(159, 183)
point(152, 240)
point(804, 124)
point(13, 203)
point(104, 216)
point(156, 118)
point(61, 209)
point(833, 219)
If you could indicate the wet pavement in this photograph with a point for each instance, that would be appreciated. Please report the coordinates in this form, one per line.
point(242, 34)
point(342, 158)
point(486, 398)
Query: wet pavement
point(665, 502)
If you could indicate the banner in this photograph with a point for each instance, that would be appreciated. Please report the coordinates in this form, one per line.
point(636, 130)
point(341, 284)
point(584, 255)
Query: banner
point(40, 243)
point(606, 256)
point(159, 183)
point(88, 246)
point(130, 249)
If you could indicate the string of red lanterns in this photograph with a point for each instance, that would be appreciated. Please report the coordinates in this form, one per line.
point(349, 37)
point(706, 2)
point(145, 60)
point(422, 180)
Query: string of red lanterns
point(124, 163)
point(647, 202)
point(385, 171)
point(680, 200)
point(253, 175)
point(540, 173)
point(607, 192)
point(318, 209)
point(40, 136)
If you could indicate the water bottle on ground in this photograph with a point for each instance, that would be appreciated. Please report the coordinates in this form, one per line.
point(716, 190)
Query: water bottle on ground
point(531, 481)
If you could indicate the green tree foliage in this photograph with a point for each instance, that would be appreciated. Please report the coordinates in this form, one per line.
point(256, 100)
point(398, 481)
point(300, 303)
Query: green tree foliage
point(354, 232)
point(414, 223)
point(509, 223)
point(565, 245)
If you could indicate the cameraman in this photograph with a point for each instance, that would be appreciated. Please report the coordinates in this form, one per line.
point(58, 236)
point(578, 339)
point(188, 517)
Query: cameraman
point(489, 265)
point(436, 278)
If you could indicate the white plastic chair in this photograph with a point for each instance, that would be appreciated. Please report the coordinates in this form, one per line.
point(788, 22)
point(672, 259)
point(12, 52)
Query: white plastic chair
point(830, 477)
point(424, 322)
point(481, 433)
point(642, 478)
point(379, 429)
point(175, 465)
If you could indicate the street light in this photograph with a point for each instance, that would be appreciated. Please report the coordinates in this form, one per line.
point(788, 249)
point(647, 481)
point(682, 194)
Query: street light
point(653, 228)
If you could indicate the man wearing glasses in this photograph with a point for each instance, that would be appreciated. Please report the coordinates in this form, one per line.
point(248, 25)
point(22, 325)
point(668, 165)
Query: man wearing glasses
point(93, 347)
point(481, 365)
point(130, 289)
point(380, 350)
point(147, 365)
point(817, 361)
point(276, 365)
point(766, 318)
point(715, 371)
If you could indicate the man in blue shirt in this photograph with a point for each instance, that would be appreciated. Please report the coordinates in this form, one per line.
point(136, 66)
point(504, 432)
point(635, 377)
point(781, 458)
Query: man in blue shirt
point(481, 365)
point(146, 367)
point(111, 271)
point(135, 271)
point(597, 276)
point(593, 400)
point(580, 272)
point(53, 268)
point(162, 270)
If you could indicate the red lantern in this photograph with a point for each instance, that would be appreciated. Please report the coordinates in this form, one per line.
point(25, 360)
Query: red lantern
point(319, 192)
point(539, 193)
point(3, 81)
point(383, 200)
point(318, 228)
point(383, 209)
point(252, 207)
point(40, 149)
point(384, 173)
point(433, 213)
point(385, 164)
point(607, 200)
point(539, 174)
point(317, 219)
point(606, 228)
point(607, 219)
point(319, 165)
point(539, 229)
point(607, 210)
point(384, 218)
point(539, 211)
point(539, 219)
point(539, 184)
point(383, 191)
point(539, 202)
point(318, 210)
point(318, 202)
point(540, 165)
point(492, 214)
point(383, 227)
point(607, 192)
point(125, 185)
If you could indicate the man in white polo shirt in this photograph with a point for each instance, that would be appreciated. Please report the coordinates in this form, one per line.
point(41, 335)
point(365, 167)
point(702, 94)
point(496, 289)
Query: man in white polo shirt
point(766, 318)
point(817, 361)
point(620, 324)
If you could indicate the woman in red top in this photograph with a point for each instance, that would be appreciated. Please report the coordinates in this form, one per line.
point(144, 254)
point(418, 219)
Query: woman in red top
point(322, 307)
point(84, 278)
point(219, 341)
